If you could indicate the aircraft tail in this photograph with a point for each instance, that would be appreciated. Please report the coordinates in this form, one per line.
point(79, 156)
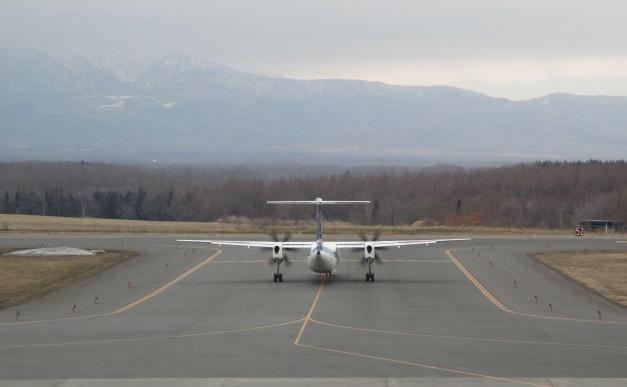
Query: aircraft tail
point(319, 202)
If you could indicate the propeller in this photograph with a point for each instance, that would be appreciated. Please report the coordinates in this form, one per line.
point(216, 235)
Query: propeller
point(375, 236)
point(369, 249)
point(276, 249)
point(275, 237)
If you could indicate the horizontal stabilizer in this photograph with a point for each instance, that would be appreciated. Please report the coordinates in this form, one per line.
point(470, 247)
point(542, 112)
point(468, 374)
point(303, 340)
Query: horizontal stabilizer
point(319, 201)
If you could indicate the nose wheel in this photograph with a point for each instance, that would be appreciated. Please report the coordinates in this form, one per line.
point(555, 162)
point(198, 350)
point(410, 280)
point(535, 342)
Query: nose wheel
point(278, 277)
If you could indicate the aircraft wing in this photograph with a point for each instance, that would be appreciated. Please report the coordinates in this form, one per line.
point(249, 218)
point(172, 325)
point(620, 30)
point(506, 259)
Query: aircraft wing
point(268, 244)
point(399, 243)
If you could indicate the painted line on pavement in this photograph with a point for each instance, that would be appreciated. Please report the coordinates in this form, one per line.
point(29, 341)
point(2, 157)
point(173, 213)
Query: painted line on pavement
point(504, 308)
point(423, 366)
point(153, 338)
point(467, 338)
point(313, 306)
point(131, 305)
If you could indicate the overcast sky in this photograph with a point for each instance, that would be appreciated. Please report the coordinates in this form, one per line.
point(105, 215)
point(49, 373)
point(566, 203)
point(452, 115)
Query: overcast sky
point(516, 49)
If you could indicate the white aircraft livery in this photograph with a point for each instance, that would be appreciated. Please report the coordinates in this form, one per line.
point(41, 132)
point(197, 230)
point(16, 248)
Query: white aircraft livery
point(323, 257)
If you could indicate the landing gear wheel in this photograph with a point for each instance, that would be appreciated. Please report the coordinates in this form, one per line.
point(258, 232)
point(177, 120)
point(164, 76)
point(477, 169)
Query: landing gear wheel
point(276, 277)
point(280, 277)
point(369, 277)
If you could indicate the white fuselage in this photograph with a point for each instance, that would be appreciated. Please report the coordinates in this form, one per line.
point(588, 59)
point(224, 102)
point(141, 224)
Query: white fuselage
point(323, 257)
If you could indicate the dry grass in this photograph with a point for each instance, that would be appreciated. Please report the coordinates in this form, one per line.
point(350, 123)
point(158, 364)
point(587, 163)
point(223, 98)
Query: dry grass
point(25, 278)
point(28, 224)
point(604, 271)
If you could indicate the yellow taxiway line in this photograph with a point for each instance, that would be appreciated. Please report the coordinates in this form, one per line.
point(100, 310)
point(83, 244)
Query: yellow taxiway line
point(423, 366)
point(132, 304)
point(323, 279)
point(504, 308)
point(169, 284)
point(204, 334)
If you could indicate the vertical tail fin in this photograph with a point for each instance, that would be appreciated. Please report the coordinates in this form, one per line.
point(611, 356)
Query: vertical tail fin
point(319, 221)
point(319, 202)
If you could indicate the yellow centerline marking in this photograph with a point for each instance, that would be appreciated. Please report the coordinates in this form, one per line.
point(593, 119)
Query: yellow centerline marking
point(422, 365)
point(308, 318)
point(477, 284)
point(134, 303)
point(483, 290)
point(467, 338)
point(313, 306)
point(154, 337)
point(169, 284)
point(504, 308)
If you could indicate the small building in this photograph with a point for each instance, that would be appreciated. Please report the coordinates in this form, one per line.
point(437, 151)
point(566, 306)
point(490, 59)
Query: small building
point(602, 225)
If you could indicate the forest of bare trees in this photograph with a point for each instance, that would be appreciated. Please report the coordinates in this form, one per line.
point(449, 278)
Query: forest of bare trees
point(542, 195)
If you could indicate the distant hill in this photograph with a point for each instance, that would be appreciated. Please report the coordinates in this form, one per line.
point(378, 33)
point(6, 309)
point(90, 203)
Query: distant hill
point(185, 109)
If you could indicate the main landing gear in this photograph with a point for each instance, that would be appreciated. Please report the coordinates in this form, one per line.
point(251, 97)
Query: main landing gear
point(369, 274)
point(278, 276)
point(279, 255)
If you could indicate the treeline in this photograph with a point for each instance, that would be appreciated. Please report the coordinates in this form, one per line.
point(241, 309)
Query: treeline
point(543, 194)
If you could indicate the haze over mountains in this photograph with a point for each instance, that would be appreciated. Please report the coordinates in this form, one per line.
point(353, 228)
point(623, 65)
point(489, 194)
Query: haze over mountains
point(185, 109)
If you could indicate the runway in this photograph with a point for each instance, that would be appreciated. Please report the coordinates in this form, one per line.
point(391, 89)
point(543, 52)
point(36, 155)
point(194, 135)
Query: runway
point(444, 314)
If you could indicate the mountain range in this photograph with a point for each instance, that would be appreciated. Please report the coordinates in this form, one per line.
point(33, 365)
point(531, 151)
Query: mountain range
point(63, 106)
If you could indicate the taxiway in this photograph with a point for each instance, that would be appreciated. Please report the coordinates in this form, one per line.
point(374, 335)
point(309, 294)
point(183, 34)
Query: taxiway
point(442, 314)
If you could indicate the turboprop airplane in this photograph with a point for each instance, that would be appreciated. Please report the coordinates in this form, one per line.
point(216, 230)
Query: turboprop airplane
point(323, 257)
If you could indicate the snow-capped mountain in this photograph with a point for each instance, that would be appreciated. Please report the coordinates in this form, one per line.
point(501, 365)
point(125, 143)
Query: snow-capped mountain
point(186, 109)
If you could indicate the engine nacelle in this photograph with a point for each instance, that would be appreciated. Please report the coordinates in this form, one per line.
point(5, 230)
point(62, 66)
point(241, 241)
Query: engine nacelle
point(278, 252)
point(369, 252)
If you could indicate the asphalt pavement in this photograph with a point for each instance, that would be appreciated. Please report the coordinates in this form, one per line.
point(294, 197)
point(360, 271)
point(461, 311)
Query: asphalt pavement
point(477, 312)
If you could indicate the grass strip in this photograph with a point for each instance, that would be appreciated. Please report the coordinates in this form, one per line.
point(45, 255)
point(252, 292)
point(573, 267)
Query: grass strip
point(49, 225)
point(603, 271)
point(24, 278)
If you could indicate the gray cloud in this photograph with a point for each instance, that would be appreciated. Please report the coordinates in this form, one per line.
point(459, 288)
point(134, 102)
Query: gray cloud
point(468, 41)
